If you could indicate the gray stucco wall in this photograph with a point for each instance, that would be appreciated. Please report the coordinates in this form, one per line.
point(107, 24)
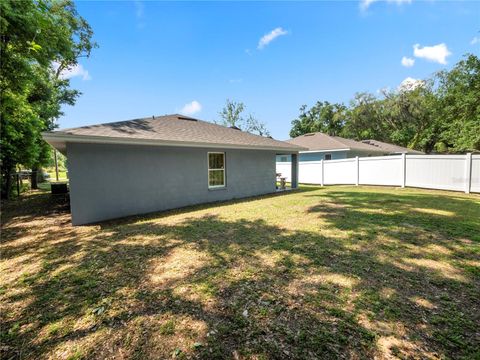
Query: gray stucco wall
point(111, 181)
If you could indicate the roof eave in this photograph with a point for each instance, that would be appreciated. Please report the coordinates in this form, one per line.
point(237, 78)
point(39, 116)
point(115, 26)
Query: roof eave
point(59, 141)
point(323, 150)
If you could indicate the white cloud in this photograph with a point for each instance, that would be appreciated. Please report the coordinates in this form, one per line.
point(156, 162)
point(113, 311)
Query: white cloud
point(408, 62)
point(74, 71)
point(365, 4)
point(235, 81)
point(191, 108)
point(475, 40)
point(410, 84)
point(272, 35)
point(437, 53)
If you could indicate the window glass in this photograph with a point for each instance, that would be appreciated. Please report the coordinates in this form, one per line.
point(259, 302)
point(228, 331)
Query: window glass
point(328, 157)
point(216, 160)
point(216, 169)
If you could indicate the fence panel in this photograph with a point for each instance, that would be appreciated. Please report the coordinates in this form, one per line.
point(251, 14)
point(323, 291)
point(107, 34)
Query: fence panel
point(311, 172)
point(340, 171)
point(381, 170)
point(445, 172)
point(285, 169)
point(475, 182)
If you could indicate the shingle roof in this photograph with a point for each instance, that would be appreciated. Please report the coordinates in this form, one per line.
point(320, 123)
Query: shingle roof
point(169, 129)
point(320, 141)
point(391, 148)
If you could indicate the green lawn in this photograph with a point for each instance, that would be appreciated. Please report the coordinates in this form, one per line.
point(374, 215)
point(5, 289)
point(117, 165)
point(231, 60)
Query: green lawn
point(334, 272)
point(62, 175)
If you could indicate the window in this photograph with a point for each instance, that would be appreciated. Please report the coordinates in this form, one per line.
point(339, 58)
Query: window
point(216, 169)
point(283, 159)
point(328, 157)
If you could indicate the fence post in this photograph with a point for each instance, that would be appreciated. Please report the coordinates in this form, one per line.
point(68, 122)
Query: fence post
point(358, 170)
point(404, 169)
point(321, 179)
point(468, 172)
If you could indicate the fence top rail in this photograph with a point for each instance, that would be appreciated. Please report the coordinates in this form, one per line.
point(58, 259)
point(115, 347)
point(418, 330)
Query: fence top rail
point(311, 162)
point(387, 157)
point(436, 157)
point(339, 160)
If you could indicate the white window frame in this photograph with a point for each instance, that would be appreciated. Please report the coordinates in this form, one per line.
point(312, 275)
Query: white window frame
point(224, 169)
point(325, 155)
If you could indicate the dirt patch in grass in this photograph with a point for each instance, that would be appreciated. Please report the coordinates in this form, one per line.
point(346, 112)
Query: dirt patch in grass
point(336, 272)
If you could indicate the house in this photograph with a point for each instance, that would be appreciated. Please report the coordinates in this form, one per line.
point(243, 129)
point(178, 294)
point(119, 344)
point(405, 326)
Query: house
point(325, 147)
point(164, 162)
point(391, 149)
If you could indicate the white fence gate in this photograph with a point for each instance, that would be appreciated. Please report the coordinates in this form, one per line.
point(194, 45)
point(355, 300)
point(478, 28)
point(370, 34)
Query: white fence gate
point(445, 172)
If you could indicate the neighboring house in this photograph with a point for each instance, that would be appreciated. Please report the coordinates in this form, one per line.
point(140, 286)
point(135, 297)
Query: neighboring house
point(159, 163)
point(325, 147)
point(391, 149)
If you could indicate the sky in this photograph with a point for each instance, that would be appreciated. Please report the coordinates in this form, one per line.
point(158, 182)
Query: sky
point(157, 58)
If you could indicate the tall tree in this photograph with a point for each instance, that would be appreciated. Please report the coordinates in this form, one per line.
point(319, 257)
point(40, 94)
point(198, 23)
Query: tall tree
point(441, 113)
point(365, 119)
point(38, 40)
point(459, 103)
point(232, 115)
point(322, 117)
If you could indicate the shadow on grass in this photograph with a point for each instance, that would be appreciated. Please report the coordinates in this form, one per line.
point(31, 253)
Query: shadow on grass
point(388, 274)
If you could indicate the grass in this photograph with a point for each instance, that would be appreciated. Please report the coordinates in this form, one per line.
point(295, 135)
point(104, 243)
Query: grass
point(62, 175)
point(335, 272)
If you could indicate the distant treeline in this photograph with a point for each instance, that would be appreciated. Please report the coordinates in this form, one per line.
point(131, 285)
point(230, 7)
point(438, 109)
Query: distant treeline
point(441, 113)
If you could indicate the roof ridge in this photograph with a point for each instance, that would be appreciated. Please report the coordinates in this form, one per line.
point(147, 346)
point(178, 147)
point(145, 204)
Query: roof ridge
point(361, 142)
point(335, 138)
point(153, 117)
point(174, 128)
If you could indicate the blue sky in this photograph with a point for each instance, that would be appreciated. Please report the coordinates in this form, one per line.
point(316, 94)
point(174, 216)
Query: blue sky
point(160, 58)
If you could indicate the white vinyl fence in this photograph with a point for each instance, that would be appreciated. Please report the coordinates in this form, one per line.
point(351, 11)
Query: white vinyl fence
point(445, 172)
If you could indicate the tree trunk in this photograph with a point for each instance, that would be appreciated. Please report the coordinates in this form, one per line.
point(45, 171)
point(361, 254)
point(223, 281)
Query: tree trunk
point(33, 179)
point(7, 181)
point(40, 175)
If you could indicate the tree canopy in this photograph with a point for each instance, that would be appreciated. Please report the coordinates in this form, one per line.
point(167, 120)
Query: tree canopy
point(322, 117)
point(440, 114)
point(39, 40)
point(232, 115)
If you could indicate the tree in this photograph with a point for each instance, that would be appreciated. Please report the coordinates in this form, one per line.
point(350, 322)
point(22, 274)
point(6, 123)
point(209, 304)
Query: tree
point(254, 126)
point(459, 105)
point(38, 40)
point(403, 117)
point(322, 117)
point(364, 119)
point(441, 113)
point(231, 115)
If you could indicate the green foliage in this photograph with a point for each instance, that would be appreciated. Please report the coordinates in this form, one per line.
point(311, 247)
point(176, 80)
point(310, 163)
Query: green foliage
point(231, 115)
point(459, 94)
point(322, 117)
point(439, 114)
point(39, 39)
